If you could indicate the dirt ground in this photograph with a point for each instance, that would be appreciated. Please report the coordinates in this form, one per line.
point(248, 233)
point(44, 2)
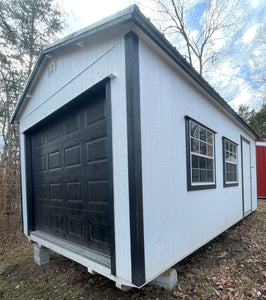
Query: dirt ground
point(232, 266)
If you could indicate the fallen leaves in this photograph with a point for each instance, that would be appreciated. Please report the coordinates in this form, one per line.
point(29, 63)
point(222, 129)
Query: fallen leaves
point(231, 267)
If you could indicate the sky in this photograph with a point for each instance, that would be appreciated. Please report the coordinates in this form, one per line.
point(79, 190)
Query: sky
point(232, 77)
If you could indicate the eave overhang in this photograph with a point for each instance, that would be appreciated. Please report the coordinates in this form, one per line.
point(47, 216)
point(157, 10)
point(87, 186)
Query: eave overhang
point(133, 15)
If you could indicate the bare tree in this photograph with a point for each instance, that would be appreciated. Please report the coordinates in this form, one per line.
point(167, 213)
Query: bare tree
point(258, 63)
point(25, 25)
point(201, 29)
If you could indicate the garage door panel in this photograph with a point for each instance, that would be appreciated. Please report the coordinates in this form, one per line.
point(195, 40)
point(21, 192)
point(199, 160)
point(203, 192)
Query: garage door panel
point(56, 191)
point(99, 168)
point(57, 221)
point(42, 191)
point(98, 217)
point(70, 176)
point(54, 133)
point(55, 160)
point(43, 219)
point(98, 190)
point(96, 150)
point(72, 156)
point(74, 191)
point(38, 140)
point(72, 123)
point(99, 234)
point(75, 227)
point(61, 205)
point(98, 207)
point(40, 162)
point(95, 111)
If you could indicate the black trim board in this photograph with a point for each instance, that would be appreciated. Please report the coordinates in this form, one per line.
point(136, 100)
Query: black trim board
point(134, 158)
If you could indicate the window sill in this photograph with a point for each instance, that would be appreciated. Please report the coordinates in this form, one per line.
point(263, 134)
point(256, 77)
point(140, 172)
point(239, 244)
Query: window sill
point(201, 187)
point(230, 184)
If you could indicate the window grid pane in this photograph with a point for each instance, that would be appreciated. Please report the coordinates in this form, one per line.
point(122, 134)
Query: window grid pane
point(201, 156)
point(230, 156)
point(201, 141)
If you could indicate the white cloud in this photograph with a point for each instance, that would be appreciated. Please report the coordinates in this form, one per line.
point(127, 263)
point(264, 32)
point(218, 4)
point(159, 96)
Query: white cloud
point(247, 97)
point(243, 98)
point(234, 88)
point(194, 34)
point(83, 13)
point(250, 34)
point(254, 3)
point(219, 39)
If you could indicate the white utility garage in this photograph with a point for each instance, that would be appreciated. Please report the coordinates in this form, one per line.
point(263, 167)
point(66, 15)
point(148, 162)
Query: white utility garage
point(130, 160)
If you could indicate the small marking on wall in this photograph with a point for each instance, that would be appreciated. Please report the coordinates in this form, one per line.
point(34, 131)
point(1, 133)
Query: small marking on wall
point(51, 68)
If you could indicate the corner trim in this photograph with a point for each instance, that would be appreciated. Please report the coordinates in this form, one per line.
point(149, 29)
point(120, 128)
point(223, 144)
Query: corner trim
point(134, 158)
point(108, 103)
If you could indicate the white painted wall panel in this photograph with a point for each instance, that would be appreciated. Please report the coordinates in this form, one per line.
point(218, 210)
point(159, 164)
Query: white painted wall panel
point(177, 222)
point(103, 56)
point(23, 183)
point(77, 69)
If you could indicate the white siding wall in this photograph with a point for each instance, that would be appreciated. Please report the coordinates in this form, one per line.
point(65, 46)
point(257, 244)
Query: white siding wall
point(23, 183)
point(177, 222)
point(102, 57)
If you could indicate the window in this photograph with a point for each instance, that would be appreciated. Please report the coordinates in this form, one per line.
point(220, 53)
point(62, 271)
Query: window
point(200, 156)
point(230, 163)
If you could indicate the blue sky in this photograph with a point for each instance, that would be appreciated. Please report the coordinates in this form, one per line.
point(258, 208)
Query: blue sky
point(231, 78)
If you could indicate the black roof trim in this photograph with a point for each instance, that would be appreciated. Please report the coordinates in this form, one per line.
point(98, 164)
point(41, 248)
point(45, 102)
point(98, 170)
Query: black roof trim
point(131, 14)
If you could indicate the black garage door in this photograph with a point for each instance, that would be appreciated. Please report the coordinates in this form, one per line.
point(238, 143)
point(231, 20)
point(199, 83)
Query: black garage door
point(70, 174)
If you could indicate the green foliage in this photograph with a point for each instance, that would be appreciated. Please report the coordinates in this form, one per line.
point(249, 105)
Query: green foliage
point(258, 123)
point(26, 25)
point(256, 120)
point(245, 113)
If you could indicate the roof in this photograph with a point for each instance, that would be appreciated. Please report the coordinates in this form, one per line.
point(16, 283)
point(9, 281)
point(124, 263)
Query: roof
point(261, 143)
point(130, 14)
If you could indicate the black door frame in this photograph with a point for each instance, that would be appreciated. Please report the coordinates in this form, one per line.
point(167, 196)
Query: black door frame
point(104, 84)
